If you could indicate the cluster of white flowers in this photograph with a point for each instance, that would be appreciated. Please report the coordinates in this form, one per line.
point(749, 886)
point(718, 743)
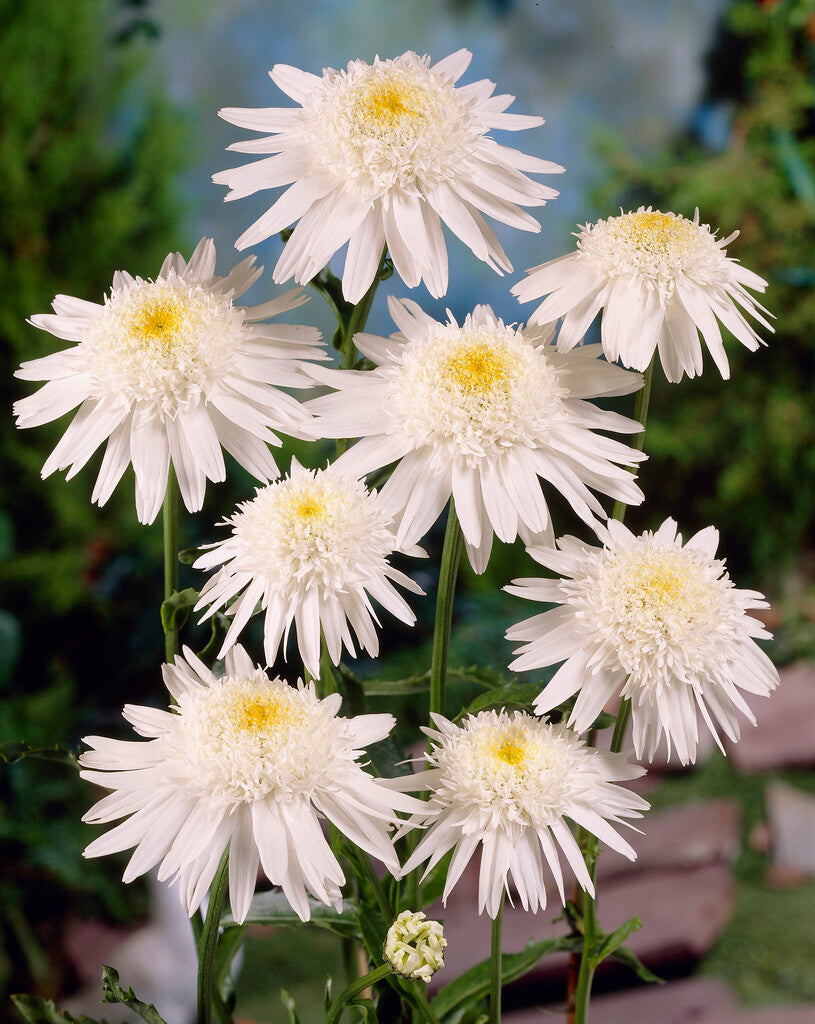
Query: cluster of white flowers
point(494, 419)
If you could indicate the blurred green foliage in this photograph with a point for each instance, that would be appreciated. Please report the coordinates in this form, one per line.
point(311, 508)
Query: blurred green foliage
point(742, 454)
point(89, 149)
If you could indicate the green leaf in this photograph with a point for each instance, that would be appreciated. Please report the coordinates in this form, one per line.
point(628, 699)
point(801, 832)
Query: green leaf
point(43, 1011)
point(11, 753)
point(287, 1000)
point(188, 555)
point(219, 627)
point(176, 609)
point(112, 992)
point(488, 678)
point(397, 687)
point(624, 955)
point(475, 983)
point(613, 941)
point(373, 931)
point(351, 689)
point(272, 908)
point(368, 1013)
point(510, 695)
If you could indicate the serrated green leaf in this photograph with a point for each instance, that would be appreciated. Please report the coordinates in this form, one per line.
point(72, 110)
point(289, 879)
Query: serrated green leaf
point(287, 999)
point(176, 609)
point(43, 1011)
point(112, 992)
point(624, 955)
point(272, 908)
point(613, 941)
point(475, 983)
point(11, 753)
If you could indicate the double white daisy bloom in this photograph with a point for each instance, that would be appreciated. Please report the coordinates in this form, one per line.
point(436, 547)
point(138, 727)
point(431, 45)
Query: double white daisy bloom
point(247, 761)
point(381, 155)
point(659, 279)
point(171, 370)
point(652, 620)
point(506, 782)
point(313, 550)
point(481, 411)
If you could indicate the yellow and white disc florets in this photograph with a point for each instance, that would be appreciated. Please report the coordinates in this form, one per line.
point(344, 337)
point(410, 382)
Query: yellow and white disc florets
point(656, 247)
point(483, 411)
point(247, 763)
point(309, 548)
point(249, 737)
point(655, 620)
point(167, 343)
point(506, 770)
point(388, 124)
point(659, 279)
point(506, 782)
point(171, 371)
point(475, 391)
point(380, 155)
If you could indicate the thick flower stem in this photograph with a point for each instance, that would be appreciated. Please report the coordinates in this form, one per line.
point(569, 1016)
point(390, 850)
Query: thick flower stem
point(209, 939)
point(170, 518)
point(353, 990)
point(448, 572)
point(578, 999)
point(495, 965)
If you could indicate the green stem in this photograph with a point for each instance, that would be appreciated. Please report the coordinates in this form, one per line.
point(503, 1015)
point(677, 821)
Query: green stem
point(170, 558)
point(448, 571)
point(353, 990)
point(579, 1011)
point(641, 403)
point(621, 725)
point(209, 939)
point(495, 965)
point(356, 323)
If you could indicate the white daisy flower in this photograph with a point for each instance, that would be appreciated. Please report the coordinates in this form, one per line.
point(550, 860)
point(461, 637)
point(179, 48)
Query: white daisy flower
point(655, 621)
point(382, 154)
point(247, 761)
point(171, 369)
point(313, 550)
point(480, 411)
point(506, 782)
point(659, 279)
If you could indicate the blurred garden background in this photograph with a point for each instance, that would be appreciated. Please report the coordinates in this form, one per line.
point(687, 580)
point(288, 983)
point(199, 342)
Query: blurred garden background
point(108, 139)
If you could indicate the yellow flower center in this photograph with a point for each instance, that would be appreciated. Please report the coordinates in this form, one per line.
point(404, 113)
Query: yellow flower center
point(510, 752)
point(477, 369)
point(660, 233)
point(658, 583)
point(260, 713)
point(308, 508)
point(159, 319)
point(388, 106)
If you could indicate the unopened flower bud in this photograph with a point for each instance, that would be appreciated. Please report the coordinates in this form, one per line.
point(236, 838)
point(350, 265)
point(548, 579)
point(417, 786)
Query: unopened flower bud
point(414, 946)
